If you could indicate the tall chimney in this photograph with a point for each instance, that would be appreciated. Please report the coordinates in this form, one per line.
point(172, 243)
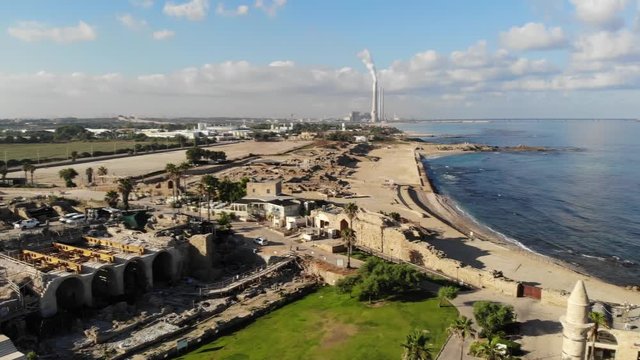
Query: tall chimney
point(374, 101)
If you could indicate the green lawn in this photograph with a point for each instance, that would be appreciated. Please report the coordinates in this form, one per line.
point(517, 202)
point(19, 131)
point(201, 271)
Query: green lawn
point(59, 150)
point(328, 325)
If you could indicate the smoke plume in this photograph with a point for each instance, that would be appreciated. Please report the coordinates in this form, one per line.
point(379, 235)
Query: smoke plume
point(365, 56)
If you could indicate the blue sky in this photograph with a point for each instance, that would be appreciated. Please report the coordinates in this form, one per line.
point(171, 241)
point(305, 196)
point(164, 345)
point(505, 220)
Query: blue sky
point(436, 58)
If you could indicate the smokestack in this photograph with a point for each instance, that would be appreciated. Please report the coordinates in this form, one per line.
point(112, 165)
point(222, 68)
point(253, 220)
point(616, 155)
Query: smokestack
point(365, 56)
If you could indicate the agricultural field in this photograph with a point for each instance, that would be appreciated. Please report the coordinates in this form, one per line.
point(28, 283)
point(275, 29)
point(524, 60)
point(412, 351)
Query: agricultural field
point(329, 325)
point(46, 151)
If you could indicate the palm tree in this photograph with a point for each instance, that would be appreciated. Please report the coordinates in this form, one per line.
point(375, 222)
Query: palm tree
point(74, 156)
point(4, 171)
point(89, 173)
point(68, 175)
point(351, 210)
point(462, 327)
point(210, 184)
point(348, 236)
point(26, 167)
point(102, 172)
point(598, 319)
point(32, 169)
point(125, 186)
point(447, 293)
point(490, 349)
point(111, 198)
point(416, 346)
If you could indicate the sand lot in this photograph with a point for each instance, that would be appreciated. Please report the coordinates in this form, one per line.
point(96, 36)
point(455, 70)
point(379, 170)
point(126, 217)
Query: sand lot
point(138, 165)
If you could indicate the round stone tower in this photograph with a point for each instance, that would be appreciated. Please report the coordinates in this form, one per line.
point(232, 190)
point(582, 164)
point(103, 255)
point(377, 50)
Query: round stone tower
point(575, 324)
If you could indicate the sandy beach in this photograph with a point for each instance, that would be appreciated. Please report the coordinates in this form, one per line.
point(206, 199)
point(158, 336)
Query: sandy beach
point(397, 166)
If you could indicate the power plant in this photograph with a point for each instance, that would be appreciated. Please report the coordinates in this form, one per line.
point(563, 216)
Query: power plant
point(377, 97)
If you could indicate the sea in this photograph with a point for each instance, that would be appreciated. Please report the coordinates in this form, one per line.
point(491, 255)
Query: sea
point(578, 202)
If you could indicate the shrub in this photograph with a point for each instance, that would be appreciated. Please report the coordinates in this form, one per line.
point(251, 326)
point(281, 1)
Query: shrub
point(493, 317)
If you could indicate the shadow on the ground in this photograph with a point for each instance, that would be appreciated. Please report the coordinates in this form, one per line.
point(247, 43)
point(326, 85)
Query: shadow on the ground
point(456, 249)
point(536, 327)
point(414, 296)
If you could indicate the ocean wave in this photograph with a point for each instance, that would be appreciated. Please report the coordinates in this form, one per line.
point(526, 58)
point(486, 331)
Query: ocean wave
point(494, 231)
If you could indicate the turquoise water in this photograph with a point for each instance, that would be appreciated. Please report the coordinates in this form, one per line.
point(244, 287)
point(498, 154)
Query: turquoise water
point(580, 203)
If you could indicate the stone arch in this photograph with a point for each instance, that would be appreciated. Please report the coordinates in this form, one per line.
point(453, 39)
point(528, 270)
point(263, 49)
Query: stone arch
point(606, 337)
point(162, 268)
point(104, 286)
point(70, 294)
point(134, 279)
point(344, 224)
point(170, 184)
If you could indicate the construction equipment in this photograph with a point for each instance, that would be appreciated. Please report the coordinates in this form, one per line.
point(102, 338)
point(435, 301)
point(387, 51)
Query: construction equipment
point(52, 260)
point(86, 252)
point(134, 249)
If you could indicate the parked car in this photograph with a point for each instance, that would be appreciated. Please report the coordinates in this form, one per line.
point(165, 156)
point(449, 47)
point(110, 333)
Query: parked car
point(261, 241)
point(66, 217)
point(77, 219)
point(26, 224)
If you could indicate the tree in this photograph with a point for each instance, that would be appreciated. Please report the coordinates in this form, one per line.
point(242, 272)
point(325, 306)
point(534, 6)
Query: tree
point(181, 139)
point(74, 156)
point(224, 221)
point(416, 346)
point(351, 210)
point(599, 320)
point(89, 173)
point(349, 236)
point(26, 167)
point(462, 327)
point(446, 293)
point(195, 154)
point(3, 170)
point(111, 198)
point(210, 184)
point(102, 172)
point(378, 279)
point(68, 175)
point(495, 348)
point(32, 169)
point(125, 186)
point(493, 317)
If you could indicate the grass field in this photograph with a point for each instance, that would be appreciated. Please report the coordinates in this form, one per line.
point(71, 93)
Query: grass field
point(62, 150)
point(328, 325)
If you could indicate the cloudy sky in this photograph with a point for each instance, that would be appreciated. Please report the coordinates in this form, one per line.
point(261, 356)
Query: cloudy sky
point(435, 59)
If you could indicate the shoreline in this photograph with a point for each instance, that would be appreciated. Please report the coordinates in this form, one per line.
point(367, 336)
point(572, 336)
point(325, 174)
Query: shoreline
point(448, 211)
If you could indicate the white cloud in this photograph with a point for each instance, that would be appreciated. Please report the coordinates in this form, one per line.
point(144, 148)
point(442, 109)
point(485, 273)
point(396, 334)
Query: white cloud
point(282, 63)
point(271, 7)
point(194, 10)
point(163, 34)
point(131, 22)
point(32, 31)
point(533, 36)
point(606, 45)
point(142, 3)
point(602, 13)
point(238, 11)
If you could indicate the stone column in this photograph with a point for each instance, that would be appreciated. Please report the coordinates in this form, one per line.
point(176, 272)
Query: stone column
point(575, 324)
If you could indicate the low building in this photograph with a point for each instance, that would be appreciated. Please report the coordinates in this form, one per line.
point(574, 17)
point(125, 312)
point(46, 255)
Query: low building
point(265, 200)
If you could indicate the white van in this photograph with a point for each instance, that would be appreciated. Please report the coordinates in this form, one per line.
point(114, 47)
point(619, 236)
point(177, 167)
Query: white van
point(26, 224)
point(77, 219)
point(261, 241)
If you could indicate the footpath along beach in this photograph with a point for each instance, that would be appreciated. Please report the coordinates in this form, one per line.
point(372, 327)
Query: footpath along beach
point(393, 184)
